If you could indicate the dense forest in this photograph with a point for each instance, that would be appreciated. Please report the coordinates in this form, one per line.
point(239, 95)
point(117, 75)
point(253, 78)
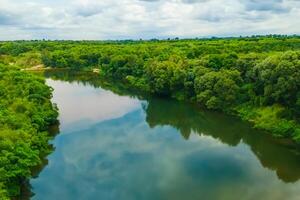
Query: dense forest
point(256, 78)
point(25, 116)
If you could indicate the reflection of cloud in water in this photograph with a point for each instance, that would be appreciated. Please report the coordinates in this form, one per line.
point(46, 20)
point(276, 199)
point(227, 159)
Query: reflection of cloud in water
point(124, 159)
point(83, 105)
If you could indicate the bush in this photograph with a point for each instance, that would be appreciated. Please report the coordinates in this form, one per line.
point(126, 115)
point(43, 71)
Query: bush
point(25, 113)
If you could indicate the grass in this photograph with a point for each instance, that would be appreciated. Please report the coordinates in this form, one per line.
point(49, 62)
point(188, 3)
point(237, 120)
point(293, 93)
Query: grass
point(268, 118)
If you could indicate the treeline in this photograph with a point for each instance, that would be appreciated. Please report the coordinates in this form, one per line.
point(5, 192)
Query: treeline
point(255, 77)
point(25, 115)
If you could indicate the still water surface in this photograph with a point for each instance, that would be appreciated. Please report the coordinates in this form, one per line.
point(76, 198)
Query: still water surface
point(115, 145)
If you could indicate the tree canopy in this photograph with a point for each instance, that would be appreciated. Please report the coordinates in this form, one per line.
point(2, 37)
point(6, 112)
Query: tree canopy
point(25, 115)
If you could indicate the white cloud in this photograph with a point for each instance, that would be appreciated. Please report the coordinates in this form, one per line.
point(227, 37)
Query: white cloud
point(122, 19)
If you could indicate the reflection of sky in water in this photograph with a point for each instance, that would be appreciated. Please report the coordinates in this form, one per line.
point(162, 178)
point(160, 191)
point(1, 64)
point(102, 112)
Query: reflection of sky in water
point(82, 105)
point(119, 157)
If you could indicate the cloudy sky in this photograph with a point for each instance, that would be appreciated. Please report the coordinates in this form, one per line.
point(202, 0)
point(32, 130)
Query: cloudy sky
point(134, 19)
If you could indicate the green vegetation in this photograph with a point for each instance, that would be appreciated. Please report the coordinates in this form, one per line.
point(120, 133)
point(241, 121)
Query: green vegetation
point(257, 78)
point(25, 115)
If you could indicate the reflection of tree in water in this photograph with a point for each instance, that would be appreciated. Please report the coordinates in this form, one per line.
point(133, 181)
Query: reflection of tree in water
point(26, 189)
point(279, 155)
point(276, 154)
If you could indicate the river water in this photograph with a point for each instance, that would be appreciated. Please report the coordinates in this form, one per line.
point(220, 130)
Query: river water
point(115, 144)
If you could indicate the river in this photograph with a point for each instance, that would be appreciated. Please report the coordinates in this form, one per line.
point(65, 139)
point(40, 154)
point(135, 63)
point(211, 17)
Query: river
point(115, 144)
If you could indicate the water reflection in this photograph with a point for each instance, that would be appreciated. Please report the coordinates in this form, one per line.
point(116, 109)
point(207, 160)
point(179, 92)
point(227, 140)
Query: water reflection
point(280, 155)
point(26, 188)
point(84, 105)
point(139, 154)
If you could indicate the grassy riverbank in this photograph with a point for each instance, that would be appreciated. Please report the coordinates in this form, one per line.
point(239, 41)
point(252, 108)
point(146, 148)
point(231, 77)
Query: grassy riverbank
point(25, 115)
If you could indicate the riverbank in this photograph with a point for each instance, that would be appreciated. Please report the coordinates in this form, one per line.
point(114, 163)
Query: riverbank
point(39, 67)
point(25, 116)
point(268, 118)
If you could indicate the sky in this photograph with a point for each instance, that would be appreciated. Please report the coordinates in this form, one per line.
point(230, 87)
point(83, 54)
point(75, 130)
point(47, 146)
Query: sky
point(145, 19)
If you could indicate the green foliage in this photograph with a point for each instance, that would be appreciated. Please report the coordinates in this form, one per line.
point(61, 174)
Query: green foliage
point(14, 48)
point(278, 78)
point(25, 114)
point(165, 77)
point(139, 83)
point(7, 59)
point(220, 74)
point(218, 90)
point(268, 118)
point(29, 59)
